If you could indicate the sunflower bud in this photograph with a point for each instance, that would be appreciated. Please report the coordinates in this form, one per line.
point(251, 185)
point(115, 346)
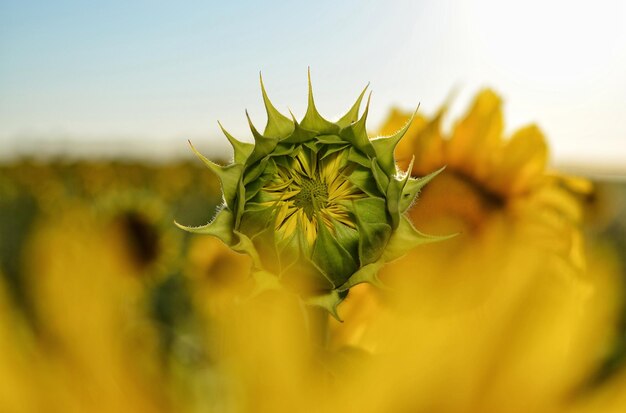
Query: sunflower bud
point(317, 205)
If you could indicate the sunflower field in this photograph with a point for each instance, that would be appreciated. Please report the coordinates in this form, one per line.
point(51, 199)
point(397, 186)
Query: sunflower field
point(407, 269)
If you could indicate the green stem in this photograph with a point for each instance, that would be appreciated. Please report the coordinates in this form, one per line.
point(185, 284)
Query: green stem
point(318, 326)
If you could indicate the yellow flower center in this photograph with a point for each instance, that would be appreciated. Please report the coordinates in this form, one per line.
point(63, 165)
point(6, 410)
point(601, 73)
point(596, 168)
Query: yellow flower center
point(313, 196)
point(311, 190)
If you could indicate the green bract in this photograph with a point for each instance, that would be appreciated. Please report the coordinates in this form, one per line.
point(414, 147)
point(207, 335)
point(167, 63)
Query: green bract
point(317, 205)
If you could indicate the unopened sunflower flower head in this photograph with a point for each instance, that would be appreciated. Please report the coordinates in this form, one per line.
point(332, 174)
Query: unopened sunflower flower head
point(317, 205)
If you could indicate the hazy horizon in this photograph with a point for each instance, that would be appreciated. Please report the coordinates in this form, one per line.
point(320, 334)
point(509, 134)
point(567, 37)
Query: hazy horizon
point(118, 77)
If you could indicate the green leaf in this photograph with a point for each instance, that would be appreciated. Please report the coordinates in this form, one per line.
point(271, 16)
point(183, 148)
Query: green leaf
point(363, 179)
point(374, 232)
point(382, 180)
point(331, 257)
point(356, 134)
point(263, 145)
point(220, 227)
point(328, 301)
point(288, 251)
point(278, 125)
point(402, 240)
point(330, 149)
point(354, 155)
point(313, 120)
point(330, 140)
point(405, 238)
point(282, 149)
point(254, 171)
point(347, 237)
point(265, 246)
point(358, 127)
point(230, 177)
point(312, 145)
point(365, 274)
point(256, 218)
point(300, 134)
point(394, 194)
point(241, 149)
point(252, 188)
point(245, 245)
point(385, 146)
point(413, 187)
point(353, 114)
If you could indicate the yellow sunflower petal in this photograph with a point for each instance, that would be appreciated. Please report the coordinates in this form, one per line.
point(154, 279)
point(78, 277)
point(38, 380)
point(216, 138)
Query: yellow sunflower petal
point(427, 147)
point(522, 161)
point(478, 136)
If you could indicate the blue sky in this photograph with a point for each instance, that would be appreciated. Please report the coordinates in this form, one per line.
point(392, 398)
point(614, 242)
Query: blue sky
point(147, 75)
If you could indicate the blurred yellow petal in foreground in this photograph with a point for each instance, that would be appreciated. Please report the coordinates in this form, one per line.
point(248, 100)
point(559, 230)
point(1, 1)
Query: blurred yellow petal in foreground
point(95, 340)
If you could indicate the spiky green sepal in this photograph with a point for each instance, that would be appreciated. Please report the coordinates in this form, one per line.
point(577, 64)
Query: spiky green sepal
point(318, 205)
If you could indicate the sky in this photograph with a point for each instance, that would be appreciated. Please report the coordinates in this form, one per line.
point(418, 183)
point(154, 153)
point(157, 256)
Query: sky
point(139, 78)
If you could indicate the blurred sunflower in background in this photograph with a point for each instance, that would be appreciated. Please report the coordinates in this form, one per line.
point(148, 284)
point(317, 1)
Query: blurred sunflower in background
point(515, 294)
point(140, 225)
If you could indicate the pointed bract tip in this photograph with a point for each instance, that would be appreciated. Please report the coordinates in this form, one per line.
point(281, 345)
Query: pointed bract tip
point(400, 132)
point(181, 226)
point(363, 119)
point(410, 168)
point(230, 137)
point(310, 85)
point(262, 85)
point(253, 128)
point(249, 120)
point(293, 117)
point(432, 175)
point(450, 236)
point(417, 108)
point(278, 125)
point(365, 90)
point(193, 148)
point(367, 104)
point(335, 313)
point(353, 114)
point(412, 118)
